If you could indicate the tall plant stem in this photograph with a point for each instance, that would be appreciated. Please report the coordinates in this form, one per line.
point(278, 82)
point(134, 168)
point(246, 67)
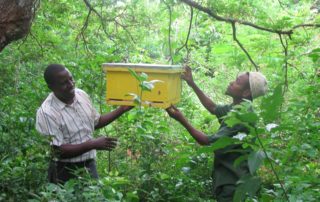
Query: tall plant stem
point(273, 169)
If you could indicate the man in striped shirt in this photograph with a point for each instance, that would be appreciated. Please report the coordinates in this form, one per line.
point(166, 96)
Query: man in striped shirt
point(69, 119)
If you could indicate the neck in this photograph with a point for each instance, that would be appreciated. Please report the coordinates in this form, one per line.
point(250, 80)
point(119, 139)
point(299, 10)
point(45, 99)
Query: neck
point(65, 100)
point(237, 101)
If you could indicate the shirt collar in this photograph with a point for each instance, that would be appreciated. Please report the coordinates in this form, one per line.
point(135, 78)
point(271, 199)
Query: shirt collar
point(61, 104)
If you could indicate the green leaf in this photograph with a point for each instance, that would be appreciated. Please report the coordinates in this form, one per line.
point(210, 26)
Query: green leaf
point(143, 76)
point(271, 105)
point(231, 121)
point(247, 184)
point(134, 74)
point(136, 99)
point(314, 55)
point(156, 81)
point(146, 86)
point(164, 176)
point(149, 137)
point(255, 159)
point(222, 142)
point(249, 117)
point(239, 160)
point(132, 197)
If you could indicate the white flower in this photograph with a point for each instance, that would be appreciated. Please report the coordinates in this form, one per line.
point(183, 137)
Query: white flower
point(270, 126)
point(240, 136)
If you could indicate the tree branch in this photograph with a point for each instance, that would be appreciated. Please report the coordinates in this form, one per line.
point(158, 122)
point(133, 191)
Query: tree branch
point(91, 8)
point(169, 35)
point(189, 31)
point(306, 25)
point(234, 34)
point(83, 29)
point(233, 20)
point(285, 50)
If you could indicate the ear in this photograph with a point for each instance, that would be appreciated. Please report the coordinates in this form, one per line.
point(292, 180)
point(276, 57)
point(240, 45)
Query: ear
point(246, 93)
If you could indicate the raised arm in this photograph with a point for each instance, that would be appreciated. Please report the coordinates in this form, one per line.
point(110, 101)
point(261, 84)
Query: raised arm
point(199, 136)
point(204, 99)
point(108, 118)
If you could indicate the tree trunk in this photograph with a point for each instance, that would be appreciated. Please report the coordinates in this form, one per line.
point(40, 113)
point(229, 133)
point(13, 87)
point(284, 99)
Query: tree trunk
point(15, 19)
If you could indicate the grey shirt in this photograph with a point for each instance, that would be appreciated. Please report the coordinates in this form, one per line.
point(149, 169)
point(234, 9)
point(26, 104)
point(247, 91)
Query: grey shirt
point(224, 171)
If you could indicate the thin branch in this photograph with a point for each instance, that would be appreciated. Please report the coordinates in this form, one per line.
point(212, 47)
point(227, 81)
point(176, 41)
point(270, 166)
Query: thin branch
point(189, 31)
point(125, 29)
point(285, 50)
point(169, 35)
point(83, 29)
point(37, 41)
point(234, 34)
point(281, 4)
point(98, 14)
point(92, 9)
point(306, 25)
point(233, 20)
point(301, 73)
point(270, 162)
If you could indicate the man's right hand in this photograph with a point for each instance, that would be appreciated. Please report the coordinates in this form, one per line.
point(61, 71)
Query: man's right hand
point(187, 75)
point(105, 143)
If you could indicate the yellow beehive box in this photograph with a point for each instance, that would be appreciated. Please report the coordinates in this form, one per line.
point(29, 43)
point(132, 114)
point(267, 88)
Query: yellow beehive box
point(121, 83)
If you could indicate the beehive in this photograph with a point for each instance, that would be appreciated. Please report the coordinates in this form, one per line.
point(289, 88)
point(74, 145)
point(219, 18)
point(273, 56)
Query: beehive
point(120, 83)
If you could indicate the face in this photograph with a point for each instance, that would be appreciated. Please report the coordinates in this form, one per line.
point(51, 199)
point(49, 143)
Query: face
point(239, 88)
point(63, 86)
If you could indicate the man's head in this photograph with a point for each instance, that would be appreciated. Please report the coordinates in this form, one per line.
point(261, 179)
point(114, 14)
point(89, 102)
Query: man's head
point(60, 81)
point(249, 85)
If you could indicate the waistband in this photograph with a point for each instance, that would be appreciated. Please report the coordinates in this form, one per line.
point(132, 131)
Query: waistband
point(77, 164)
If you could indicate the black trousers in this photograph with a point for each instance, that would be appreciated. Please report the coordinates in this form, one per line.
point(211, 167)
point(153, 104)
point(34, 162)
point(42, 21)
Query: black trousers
point(61, 172)
point(225, 193)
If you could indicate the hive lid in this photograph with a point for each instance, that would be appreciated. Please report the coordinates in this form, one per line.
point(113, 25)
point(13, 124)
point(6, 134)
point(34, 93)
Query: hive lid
point(146, 66)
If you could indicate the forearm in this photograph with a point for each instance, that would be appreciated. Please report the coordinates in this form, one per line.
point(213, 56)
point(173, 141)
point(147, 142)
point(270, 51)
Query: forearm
point(110, 117)
point(204, 99)
point(199, 136)
point(73, 150)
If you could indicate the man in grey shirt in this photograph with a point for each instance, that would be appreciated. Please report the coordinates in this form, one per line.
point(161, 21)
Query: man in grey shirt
point(249, 85)
point(69, 119)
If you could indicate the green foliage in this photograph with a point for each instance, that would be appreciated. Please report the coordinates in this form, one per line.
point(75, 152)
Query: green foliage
point(271, 105)
point(157, 160)
point(248, 184)
point(315, 55)
point(255, 159)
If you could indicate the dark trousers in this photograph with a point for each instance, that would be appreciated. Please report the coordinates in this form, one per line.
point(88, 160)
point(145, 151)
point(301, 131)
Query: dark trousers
point(225, 193)
point(61, 172)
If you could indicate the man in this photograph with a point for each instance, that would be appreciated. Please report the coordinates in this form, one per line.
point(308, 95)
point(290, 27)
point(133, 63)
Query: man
point(69, 119)
point(248, 86)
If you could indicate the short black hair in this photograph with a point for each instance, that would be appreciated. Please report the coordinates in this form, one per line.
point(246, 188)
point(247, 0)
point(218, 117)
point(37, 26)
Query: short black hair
point(51, 70)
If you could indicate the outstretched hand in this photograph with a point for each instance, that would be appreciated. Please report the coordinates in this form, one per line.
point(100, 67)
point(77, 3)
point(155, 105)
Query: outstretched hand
point(187, 75)
point(126, 108)
point(174, 113)
point(105, 143)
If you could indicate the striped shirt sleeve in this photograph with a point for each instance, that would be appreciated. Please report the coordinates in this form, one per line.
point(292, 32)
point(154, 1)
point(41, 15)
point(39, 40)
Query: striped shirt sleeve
point(48, 126)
